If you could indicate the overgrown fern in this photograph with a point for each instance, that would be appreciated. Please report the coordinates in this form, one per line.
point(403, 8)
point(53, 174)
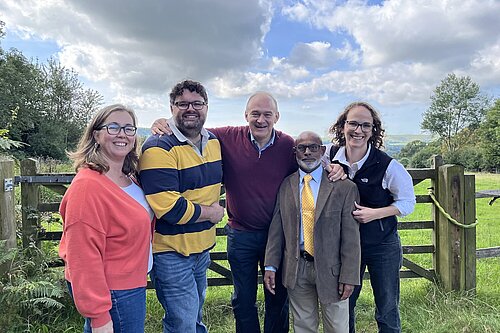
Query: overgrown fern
point(29, 290)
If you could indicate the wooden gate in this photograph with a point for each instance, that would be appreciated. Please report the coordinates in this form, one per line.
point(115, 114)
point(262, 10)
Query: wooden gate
point(453, 248)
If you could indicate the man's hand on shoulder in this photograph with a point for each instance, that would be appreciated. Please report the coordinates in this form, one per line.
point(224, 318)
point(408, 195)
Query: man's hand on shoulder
point(335, 172)
point(160, 126)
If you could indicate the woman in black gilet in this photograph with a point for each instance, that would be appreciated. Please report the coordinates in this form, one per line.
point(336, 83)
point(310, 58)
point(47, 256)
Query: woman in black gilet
point(386, 191)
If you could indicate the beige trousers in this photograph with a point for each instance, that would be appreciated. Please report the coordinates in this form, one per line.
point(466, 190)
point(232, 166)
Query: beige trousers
point(305, 308)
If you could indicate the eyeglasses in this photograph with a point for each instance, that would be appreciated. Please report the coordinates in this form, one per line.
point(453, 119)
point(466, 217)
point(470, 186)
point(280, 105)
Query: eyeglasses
point(312, 148)
point(353, 125)
point(114, 129)
point(197, 105)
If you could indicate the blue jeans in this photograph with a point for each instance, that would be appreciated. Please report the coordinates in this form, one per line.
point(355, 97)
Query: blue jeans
point(181, 284)
point(383, 262)
point(246, 251)
point(128, 311)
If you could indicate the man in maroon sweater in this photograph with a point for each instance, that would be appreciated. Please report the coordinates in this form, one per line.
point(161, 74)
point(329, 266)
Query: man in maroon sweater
point(256, 158)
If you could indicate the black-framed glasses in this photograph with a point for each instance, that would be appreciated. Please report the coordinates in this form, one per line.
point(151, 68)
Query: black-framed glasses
point(313, 148)
point(115, 128)
point(197, 105)
point(353, 125)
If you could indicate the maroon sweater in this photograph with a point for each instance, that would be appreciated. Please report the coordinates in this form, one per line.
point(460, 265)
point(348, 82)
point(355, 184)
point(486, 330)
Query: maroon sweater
point(252, 183)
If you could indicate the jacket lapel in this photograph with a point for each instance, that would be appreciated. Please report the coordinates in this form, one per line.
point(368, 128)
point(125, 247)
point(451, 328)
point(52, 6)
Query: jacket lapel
point(294, 183)
point(325, 188)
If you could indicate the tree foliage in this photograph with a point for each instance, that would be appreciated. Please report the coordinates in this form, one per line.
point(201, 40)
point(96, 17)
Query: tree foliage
point(6, 143)
point(410, 149)
point(456, 104)
point(44, 106)
point(480, 149)
point(490, 137)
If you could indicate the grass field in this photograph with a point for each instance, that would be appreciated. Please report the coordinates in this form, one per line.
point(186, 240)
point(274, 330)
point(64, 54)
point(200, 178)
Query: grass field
point(424, 307)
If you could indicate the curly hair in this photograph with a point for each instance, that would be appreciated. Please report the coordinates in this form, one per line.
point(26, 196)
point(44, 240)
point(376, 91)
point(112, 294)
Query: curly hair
point(88, 153)
point(192, 86)
point(337, 129)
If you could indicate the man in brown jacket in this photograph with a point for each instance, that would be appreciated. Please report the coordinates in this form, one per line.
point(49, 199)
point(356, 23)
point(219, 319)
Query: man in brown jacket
point(313, 233)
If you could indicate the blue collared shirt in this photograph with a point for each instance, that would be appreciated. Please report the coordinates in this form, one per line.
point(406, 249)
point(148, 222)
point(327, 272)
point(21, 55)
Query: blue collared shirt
point(267, 145)
point(314, 183)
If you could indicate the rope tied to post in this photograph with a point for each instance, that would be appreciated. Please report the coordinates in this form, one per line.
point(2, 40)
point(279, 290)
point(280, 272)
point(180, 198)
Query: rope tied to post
point(448, 216)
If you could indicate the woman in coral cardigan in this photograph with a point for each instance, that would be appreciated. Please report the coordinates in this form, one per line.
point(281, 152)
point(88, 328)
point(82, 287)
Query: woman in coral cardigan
point(107, 226)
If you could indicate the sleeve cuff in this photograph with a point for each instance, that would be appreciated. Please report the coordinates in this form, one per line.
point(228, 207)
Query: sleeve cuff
point(196, 214)
point(102, 320)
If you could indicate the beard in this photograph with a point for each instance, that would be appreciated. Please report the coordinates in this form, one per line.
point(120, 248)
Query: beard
point(308, 166)
point(189, 127)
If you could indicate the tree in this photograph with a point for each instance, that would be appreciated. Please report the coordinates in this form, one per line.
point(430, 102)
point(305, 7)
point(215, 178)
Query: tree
point(67, 107)
point(44, 106)
point(422, 159)
point(21, 95)
point(490, 137)
point(410, 149)
point(456, 104)
point(6, 143)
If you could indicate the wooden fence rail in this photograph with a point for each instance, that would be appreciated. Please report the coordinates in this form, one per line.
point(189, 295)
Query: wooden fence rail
point(452, 247)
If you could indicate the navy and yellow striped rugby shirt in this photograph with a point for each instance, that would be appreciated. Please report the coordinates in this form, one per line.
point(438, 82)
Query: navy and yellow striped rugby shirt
point(176, 181)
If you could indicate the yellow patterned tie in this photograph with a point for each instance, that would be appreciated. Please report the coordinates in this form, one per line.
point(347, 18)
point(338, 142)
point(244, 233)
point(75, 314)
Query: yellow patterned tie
point(308, 215)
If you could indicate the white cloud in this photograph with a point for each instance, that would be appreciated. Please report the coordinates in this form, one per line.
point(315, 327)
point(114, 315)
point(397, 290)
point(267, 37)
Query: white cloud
point(321, 55)
point(393, 53)
point(149, 44)
point(297, 12)
point(392, 85)
point(315, 54)
point(447, 33)
point(486, 64)
point(403, 47)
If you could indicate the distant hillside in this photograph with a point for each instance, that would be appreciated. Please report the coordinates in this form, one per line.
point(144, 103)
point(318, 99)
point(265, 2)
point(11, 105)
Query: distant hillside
point(394, 143)
point(142, 131)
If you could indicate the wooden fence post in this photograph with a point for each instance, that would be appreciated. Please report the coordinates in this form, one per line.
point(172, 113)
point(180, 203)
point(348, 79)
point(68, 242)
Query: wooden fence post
point(470, 234)
point(7, 215)
point(450, 240)
point(29, 203)
point(437, 161)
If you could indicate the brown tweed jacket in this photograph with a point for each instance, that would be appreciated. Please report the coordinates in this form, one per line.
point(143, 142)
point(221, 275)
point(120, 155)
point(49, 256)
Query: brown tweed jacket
point(337, 252)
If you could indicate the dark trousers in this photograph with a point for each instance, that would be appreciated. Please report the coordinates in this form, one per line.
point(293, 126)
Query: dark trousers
point(245, 251)
point(383, 262)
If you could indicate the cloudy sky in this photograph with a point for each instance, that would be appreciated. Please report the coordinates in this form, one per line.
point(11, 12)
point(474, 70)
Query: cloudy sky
point(315, 56)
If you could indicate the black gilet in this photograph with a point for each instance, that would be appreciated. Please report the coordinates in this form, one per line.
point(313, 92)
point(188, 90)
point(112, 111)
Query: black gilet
point(372, 194)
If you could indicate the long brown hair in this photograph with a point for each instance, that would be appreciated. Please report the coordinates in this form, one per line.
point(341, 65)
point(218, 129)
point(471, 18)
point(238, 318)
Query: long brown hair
point(337, 129)
point(88, 153)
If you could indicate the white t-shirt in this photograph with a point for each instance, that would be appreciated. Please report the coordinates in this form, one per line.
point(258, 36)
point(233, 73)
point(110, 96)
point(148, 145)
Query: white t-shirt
point(136, 192)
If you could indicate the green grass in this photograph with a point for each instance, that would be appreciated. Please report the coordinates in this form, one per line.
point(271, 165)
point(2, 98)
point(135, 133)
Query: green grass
point(424, 307)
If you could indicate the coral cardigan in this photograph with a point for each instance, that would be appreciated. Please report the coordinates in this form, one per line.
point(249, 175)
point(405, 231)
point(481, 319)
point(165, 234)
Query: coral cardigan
point(105, 243)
